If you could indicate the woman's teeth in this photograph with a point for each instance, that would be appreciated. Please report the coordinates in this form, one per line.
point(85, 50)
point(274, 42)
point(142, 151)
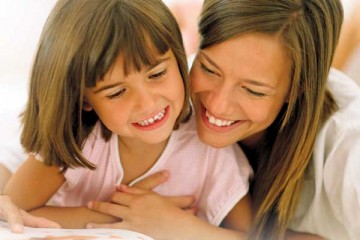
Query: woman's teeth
point(218, 122)
point(153, 119)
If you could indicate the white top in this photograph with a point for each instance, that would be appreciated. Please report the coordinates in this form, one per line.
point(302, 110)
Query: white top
point(329, 205)
point(217, 178)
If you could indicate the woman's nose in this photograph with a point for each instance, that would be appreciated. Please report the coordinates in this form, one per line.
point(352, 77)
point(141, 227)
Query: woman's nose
point(221, 101)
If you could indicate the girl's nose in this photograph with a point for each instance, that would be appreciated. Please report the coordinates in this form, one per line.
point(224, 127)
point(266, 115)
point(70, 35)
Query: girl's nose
point(145, 99)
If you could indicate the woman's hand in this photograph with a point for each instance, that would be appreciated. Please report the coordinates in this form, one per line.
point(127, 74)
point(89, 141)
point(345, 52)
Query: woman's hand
point(17, 218)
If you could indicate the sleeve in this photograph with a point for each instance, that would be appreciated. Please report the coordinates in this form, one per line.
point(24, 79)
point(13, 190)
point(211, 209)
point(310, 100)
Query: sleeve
point(342, 180)
point(227, 181)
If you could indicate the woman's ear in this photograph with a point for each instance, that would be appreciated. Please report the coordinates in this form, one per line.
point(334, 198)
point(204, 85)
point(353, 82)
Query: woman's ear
point(86, 105)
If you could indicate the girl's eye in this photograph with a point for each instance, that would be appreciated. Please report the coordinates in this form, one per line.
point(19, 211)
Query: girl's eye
point(257, 94)
point(158, 75)
point(206, 69)
point(117, 94)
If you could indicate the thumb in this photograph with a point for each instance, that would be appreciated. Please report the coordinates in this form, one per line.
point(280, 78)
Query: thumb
point(153, 180)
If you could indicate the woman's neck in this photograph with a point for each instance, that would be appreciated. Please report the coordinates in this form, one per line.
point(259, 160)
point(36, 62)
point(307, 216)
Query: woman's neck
point(138, 157)
point(253, 141)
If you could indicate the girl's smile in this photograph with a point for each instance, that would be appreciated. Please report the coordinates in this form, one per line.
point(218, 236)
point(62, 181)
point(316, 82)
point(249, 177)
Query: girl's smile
point(155, 121)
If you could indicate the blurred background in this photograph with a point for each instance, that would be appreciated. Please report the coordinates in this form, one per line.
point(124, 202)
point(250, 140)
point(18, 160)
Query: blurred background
point(21, 23)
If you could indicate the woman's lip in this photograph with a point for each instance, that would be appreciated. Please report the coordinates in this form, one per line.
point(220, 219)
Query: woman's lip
point(156, 124)
point(213, 127)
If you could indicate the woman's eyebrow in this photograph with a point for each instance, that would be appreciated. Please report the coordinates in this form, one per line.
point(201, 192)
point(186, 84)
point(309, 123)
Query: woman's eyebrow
point(209, 59)
point(250, 81)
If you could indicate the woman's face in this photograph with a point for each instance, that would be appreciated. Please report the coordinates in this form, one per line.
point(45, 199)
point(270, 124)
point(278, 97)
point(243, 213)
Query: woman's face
point(238, 88)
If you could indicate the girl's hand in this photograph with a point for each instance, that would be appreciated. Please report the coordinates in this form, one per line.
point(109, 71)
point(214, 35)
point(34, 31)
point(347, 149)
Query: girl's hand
point(144, 211)
point(153, 180)
point(17, 218)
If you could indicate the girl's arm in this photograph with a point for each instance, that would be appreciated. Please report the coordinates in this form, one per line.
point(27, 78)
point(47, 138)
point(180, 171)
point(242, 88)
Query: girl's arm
point(160, 218)
point(31, 187)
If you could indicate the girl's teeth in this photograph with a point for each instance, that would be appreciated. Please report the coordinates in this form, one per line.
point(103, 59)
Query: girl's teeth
point(151, 120)
point(218, 122)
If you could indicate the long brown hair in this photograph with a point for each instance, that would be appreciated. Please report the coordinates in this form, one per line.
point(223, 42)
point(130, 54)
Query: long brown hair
point(80, 42)
point(309, 31)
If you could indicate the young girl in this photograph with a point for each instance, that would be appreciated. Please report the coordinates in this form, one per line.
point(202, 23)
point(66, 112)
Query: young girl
point(107, 90)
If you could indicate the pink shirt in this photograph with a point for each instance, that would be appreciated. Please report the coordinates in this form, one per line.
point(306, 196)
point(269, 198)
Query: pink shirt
point(217, 178)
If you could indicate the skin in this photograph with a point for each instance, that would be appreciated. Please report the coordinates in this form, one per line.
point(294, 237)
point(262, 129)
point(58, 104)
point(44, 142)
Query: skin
point(250, 92)
point(247, 95)
point(138, 96)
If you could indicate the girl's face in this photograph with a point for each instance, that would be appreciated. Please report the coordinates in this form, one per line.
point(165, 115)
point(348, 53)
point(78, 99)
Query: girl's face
point(141, 106)
point(238, 88)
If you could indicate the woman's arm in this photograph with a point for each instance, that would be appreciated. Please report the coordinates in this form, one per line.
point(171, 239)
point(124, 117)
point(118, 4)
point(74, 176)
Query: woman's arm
point(31, 187)
point(159, 218)
point(17, 217)
point(75, 217)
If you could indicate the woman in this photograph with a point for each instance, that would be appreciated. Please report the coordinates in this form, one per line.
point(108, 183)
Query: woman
point(263, 68)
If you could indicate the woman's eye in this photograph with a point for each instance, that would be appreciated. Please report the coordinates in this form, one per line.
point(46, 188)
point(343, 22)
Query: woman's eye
point(117, 94)
point(257, 94)
point(158, 75)
point(206, 69)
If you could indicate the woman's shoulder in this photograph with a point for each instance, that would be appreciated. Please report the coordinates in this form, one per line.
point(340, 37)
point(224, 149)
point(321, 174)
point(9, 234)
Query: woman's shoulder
point(347, 95)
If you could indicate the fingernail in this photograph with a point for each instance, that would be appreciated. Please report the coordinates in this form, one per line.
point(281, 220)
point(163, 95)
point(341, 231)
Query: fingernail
point(165, 174)
point(90, 204)
point(17, 228)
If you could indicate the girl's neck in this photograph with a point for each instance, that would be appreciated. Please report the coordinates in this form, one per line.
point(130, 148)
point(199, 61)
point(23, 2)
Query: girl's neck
point(138, 157)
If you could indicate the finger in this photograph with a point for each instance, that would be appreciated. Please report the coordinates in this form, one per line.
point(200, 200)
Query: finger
point(192, 210)
point(131, 190)
point(182, 201)
point(153, 180)
point(37, 222)
point(122, 198)
point(111, 209)
point(12, 215)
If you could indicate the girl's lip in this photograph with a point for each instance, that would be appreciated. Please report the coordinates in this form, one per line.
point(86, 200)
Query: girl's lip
point(215, 128)
point(156, 124)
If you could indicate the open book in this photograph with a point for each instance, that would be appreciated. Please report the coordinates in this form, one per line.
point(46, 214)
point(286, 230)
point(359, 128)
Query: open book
point(69, 234)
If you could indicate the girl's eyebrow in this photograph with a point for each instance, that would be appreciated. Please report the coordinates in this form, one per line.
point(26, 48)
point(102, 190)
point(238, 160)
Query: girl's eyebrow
point(106, 87)
point(159, 61)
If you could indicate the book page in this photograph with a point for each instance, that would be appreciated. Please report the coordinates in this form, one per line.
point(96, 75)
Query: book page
point(69, 234)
